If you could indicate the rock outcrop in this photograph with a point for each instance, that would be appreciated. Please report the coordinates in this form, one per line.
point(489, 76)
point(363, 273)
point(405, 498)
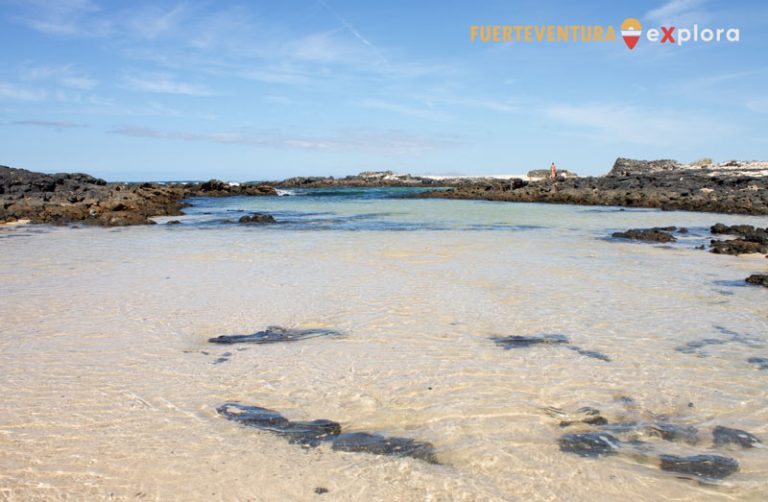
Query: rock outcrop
point(66, 198)
point(741, 188)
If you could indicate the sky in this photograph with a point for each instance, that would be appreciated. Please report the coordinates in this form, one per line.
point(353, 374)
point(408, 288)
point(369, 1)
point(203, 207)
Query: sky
point(259, 90)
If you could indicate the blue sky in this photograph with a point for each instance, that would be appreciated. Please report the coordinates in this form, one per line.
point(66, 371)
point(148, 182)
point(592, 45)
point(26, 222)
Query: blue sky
point(263, 90)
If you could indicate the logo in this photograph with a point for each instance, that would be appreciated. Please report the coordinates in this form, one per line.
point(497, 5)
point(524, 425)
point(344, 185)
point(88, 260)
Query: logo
point(631, 29)
point(631, 32)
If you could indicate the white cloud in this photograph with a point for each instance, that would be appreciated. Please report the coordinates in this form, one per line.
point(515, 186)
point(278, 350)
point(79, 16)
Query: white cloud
point(383, 142)
point(164, 84)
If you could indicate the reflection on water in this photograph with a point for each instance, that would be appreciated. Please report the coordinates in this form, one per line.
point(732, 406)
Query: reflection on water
point(110, 389)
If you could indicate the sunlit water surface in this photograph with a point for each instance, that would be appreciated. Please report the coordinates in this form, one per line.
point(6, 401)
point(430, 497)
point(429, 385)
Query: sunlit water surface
point(109, 389)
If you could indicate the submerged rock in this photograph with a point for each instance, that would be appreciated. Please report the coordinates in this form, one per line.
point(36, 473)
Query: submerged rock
point(383, 445)
point(312, 433)
point(657, 234)
point(758, 279)
point(710, 467)
point(674, 432)
point(275, 334)
point(724, 435)
point(589, 444)
point(517, 341)
point(760, 362)
point(590, 353)
point(586, 415)
point(257, 218)
point(303, 433)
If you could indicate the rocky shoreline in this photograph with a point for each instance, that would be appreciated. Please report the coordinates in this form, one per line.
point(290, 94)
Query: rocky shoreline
point(64, 198)
point(736, 187)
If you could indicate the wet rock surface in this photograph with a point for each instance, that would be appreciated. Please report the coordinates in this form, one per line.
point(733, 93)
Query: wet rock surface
point(258, 218)
point(311, 434)
point(275, 334)
point(635, 439)
point(708, 467)
point(758, 279)
point(656, 234)
point(589, 444)
point(760, 362)
point(521, 342)
point(725, 436)
point(749, 239)
point(363, 442)
point(675, 432)
point(733, 187)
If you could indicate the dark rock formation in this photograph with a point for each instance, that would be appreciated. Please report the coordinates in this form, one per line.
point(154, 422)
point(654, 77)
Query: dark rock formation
point(648, 234)
point(312, 433)
point(760, 362)
point(257, 218)
point(364, 179)
point(655, 184)
point(308, 434)
point(275, 334)
point(630, 167)
point(363, 442)
point(750, 239)
point(589, 444)
point(520, 342)
point(758, 279)
point(62, 198)
point(725, 436)
point(517, 342)
point(708, 467)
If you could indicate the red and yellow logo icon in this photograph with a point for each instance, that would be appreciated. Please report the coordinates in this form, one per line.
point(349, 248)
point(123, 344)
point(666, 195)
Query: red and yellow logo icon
point(631, 29)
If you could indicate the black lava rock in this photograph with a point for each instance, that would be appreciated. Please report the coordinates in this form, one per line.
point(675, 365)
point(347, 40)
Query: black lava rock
point(517, 342)
point(383, 445)
point(725, 436)
point(657, 234)
point(275, 334)
point(589, 444)
point(257, 218)
point(758, 279)
point(711, 467)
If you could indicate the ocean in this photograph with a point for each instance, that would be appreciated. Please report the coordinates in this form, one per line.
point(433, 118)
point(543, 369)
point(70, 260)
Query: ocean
point(110, 387)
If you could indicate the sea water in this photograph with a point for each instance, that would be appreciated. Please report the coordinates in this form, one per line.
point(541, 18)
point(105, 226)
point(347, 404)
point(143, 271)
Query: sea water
point(109, 385)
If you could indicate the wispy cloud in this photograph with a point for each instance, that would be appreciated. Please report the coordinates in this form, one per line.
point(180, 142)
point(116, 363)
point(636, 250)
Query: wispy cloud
point(74, 18)
point(623, 123)
point(164, 84)
point(64, 75)
point(16, 92)
point(411, 111)
point(759, 105)
point(54, 124)
point(384, 142)
point(679, 11)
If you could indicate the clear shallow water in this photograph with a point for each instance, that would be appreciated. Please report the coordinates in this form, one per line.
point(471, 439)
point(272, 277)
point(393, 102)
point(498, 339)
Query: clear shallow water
point(107, 391)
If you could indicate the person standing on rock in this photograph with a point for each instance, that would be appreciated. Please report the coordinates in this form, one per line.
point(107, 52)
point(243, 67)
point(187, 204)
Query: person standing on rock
point(553, 172)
